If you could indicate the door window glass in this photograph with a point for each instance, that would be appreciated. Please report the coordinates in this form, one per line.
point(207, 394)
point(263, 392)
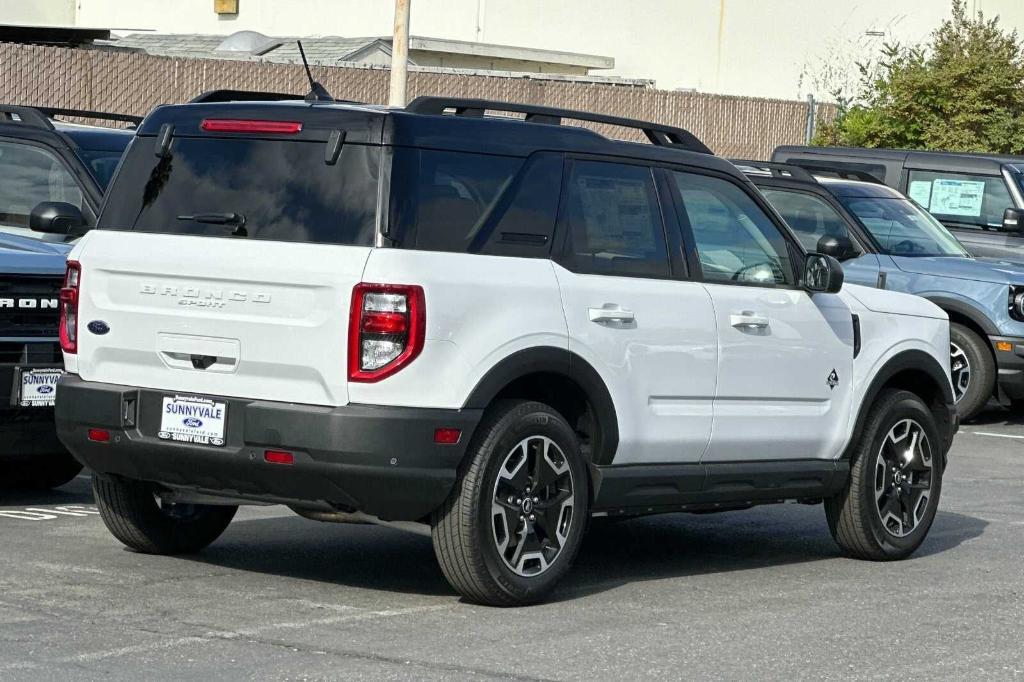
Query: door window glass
point(735, 239)
point(614, 220)
point(810, 217)
point(965, 200)
point(31, 175)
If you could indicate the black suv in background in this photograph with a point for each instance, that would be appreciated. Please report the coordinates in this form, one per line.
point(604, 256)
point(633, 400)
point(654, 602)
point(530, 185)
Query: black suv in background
point(980, 197)
point(42, 159)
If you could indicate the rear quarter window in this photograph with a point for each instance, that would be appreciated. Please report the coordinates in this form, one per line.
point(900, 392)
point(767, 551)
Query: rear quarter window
point(284, 190)
point(474, 203)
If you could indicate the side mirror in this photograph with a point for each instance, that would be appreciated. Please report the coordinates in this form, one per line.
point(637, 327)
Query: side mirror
point(839, 247)
point(57, 217)
point(1013, 220)
point(822, 274)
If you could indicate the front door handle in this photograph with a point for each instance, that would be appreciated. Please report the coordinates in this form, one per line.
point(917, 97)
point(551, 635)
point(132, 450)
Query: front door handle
point(611, 313)
point(748, 320)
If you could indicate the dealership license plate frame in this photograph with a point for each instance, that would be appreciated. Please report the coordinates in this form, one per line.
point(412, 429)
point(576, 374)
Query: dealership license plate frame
point(173, 427)
point(18, 398)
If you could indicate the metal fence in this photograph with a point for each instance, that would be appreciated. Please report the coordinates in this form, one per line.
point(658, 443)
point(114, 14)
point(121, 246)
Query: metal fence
point(133, 83)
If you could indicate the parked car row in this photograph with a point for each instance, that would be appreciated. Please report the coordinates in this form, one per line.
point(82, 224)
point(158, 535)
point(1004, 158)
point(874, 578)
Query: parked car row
point(490, 329)
point(888, 241)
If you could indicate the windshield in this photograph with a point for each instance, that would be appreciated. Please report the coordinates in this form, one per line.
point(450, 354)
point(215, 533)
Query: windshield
point(901, 228)
point(101, 163)
point(1018, 176)
point(257, 189)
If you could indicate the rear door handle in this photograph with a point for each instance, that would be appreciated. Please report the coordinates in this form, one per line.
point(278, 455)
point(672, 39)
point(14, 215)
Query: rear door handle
point(611, 313)
point(748, 320)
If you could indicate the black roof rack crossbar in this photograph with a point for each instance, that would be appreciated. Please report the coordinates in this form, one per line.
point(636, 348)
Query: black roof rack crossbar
point(658, 134)
point(776, 170)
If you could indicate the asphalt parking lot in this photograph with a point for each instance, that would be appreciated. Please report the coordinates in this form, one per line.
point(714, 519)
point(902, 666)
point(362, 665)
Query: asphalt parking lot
point(758, 594)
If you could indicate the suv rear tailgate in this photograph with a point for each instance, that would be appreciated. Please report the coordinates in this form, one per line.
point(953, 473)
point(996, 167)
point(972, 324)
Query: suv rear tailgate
point(217, 316)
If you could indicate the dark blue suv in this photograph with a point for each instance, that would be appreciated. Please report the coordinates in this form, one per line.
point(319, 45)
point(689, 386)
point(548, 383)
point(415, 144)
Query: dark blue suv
point(42, 159)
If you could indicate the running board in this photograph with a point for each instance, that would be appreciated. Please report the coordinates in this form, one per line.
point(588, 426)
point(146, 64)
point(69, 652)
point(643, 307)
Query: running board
point(719, 485)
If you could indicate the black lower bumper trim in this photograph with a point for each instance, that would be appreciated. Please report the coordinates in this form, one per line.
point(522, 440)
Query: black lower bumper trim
point(1009, 354)
point(379, 460)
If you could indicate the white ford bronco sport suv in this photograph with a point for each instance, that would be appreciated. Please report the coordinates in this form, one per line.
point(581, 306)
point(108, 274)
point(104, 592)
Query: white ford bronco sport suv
point(489, 328)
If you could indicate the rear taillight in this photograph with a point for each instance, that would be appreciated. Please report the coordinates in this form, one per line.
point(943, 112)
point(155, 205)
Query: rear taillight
point(69, 308)
point(386, 328)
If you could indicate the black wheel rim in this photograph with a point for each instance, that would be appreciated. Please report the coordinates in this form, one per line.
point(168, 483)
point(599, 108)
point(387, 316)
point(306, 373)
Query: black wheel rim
point(960, 371)
point(532, 506)
point(903, 478)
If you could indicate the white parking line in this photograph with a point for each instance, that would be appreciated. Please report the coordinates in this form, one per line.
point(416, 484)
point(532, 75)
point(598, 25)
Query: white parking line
point(993, 435)
point(218, 635)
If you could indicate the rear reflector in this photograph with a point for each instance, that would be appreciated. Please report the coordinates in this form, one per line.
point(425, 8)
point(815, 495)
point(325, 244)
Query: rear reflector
point(279, 457)
point(244, 125)
point(447, 436)
point(99, 435)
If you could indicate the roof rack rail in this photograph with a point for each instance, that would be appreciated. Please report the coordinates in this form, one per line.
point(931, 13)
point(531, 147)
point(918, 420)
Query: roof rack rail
point(837, 172)
point(85, 113)
point(658, 134)
point(39, 117)
point(11, 113)
point(776, 170)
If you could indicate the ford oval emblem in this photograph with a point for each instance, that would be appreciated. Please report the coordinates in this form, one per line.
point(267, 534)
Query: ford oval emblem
point(45, 389)
point(99, 327)
point(192, 422)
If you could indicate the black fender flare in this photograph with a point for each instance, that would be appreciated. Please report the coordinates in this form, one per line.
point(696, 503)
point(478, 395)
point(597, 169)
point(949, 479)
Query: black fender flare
point(565, 363)
point(913, 359)
point(967, 310)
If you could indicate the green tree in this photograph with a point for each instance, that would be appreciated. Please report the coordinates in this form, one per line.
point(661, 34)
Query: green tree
point(963, 90)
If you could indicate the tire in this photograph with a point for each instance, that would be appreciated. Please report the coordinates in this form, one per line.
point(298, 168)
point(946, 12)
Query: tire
point(132, 514)
point(43, 472)
point(967, 346)
point(54, 471)
point(855, 516)
point(483, 558)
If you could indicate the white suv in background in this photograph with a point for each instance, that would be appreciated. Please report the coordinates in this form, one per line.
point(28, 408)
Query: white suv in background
point(486, 328)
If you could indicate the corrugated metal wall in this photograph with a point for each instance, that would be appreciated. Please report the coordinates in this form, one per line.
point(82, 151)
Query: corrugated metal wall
point(128, 82)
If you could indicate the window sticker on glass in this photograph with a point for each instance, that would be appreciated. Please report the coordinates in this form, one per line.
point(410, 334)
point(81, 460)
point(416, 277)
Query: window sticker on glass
point(921, 192)
point(957, 197)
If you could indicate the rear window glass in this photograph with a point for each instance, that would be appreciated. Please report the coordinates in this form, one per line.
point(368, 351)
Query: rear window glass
point(276, 190)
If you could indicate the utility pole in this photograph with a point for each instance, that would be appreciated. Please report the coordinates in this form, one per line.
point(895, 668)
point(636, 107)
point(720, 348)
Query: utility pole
point(400, 54)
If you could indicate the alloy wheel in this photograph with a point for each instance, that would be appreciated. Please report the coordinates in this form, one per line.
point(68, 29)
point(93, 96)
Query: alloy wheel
point(903, 478)
point(960, 371)
point(532, 506)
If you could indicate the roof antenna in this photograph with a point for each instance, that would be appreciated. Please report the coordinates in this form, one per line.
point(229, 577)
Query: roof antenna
point(317, 92)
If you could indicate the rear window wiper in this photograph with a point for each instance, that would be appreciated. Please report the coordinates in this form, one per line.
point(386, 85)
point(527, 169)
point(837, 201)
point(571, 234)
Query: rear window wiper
point(235, 220)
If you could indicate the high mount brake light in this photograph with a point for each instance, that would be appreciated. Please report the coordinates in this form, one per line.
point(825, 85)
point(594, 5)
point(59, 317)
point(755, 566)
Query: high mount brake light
point(386, 329)
point(245, 125)
point(68, 330)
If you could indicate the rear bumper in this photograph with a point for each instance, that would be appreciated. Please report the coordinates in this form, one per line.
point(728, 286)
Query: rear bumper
point(25, 432)
point(379, 460)
point(1010, 366)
